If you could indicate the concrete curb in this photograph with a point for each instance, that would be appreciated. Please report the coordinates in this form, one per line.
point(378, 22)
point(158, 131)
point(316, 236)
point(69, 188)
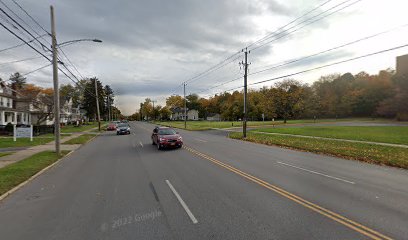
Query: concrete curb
point(8, 193)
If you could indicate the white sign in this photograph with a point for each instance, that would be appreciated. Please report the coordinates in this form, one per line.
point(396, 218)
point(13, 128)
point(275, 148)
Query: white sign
point(23, 132)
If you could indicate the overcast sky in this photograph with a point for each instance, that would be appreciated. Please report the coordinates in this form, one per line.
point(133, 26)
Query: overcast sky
point(150, 47)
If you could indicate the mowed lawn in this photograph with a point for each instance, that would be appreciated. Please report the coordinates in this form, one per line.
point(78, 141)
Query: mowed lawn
point(383, 155)
point(24, 142)
point(81, 139)
point(16, 173)
point(205, 125)
point(385, 134)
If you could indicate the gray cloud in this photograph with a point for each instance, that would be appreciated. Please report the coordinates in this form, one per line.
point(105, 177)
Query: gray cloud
point(149, 47)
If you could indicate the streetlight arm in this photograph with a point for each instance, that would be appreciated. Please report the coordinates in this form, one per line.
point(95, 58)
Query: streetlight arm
point(78, 40)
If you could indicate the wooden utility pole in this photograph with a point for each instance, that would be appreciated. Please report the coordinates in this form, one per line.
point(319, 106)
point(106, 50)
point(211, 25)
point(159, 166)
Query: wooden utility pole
point(97, 106)
point(244, 125)
point(185, 105)
point(56, 85)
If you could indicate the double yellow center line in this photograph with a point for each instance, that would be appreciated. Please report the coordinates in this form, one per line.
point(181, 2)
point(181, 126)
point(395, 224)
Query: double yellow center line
point(316, 208)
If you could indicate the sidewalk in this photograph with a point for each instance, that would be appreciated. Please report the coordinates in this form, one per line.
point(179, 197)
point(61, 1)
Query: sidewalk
point(29, 151)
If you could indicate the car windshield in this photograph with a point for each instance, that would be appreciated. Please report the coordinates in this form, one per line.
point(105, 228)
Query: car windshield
point(123, 125)
point(167, 132)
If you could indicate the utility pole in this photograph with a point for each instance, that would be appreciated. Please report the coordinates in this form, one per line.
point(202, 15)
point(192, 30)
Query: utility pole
point(244, 125)
point(109, 109)
point(185, 105)
point(97, 106)
point(56, 86)
point(154, 113)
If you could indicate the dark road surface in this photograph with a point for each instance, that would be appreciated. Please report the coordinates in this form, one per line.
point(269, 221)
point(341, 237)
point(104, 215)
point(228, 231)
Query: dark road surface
point(122, 187)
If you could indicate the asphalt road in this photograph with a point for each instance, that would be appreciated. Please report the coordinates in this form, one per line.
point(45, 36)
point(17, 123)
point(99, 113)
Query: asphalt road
point(122, 187)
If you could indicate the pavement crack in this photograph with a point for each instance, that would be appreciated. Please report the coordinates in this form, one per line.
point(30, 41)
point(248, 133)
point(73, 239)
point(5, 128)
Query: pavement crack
point(154, 191)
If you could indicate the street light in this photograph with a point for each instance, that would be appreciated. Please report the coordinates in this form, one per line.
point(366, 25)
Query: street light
point(79, 40)
point(55, 63)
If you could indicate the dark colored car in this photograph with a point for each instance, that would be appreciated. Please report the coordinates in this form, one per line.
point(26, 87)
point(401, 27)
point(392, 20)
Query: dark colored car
point(165, 137)
point(123, 128)
point(111, 127)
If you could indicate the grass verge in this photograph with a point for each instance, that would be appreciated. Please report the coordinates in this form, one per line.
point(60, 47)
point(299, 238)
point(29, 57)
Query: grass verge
point(81, 139)
point(205, 125)
point(16, 173)
point(391, 156)
point(386, 134)
point(23, 142)
point(6, 142)
point(2, 154)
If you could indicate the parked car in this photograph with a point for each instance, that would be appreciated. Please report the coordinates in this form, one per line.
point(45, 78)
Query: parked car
point(111, 127)
point(164, 137)
point(123, 128)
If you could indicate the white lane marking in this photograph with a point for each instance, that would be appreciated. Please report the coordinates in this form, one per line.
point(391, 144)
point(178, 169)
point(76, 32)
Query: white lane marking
point(141, 144)
point(183, 204)
point(200, 140)
point(318, 173)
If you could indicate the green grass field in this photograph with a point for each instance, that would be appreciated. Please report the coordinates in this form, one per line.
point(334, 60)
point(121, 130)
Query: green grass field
point(6, 142)
point(391, 156)
point(23, 142)
point(205, 125)
point(81, 139)
point(16, 173)
point(386, 134)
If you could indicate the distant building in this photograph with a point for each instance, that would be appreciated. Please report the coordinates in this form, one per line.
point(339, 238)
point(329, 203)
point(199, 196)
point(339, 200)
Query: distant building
point(213, 117)
point(402, 65)
point(177, 113)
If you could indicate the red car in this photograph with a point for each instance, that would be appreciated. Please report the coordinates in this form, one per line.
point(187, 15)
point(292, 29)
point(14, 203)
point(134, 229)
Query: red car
point(165, 137)
point(111, 127)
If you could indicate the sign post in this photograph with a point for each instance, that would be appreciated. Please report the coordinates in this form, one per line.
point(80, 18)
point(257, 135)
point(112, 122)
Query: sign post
point(14, 133)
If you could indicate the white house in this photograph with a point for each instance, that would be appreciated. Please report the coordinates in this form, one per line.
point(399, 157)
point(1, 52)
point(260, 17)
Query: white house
point(35, 109)
point(10, 112)
point(178, 114)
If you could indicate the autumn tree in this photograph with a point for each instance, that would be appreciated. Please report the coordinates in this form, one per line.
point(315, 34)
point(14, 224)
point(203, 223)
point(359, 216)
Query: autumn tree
point(175, 101)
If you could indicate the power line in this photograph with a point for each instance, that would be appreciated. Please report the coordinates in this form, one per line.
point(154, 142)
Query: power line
point(22, 60)
point(42, 45)
point(29, 33)
point(215, 67)
point(286, 33)
point(21, 39)
point(293, 21)
point(18, 45)
point(317, 68)
point(31, 17)
point(278, 65)
point(331, 64)
point(35, 70)
point(275, 66)
point(71, 63)
point(28, 25)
